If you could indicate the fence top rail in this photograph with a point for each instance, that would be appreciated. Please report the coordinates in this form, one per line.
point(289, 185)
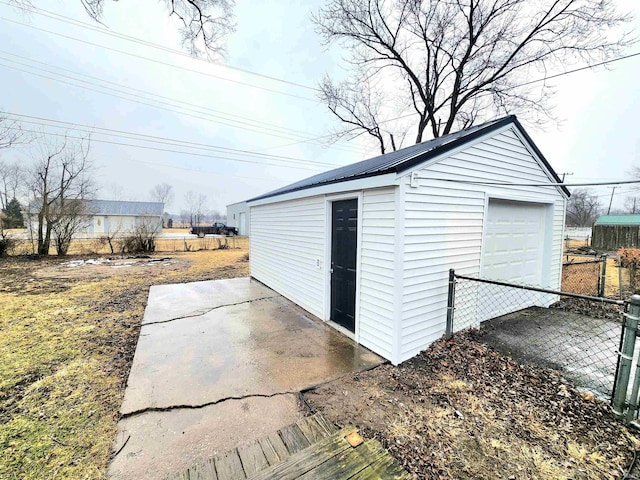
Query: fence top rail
point(583, 262)
point(542, 290)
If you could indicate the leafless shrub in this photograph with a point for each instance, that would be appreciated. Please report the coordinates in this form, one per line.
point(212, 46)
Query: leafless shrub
point(142, 239)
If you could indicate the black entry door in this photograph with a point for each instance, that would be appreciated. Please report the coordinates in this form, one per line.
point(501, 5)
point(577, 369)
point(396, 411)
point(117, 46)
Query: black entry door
point(344, 237)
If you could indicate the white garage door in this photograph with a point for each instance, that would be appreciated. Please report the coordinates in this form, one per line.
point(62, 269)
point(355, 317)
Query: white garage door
point(514, 251)
point(514, 242)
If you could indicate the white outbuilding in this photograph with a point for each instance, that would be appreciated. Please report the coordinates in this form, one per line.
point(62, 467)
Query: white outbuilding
point(367, 247)
point(238, 216)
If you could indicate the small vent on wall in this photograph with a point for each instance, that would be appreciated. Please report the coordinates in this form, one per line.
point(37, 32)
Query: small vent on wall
point(415, 180)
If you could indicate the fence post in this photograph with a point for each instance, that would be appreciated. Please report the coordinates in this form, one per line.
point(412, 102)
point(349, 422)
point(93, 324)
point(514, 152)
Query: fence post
point(627, 345)
point(603, 276)
point(633, 400)
point(620, 275)
point(451, 299)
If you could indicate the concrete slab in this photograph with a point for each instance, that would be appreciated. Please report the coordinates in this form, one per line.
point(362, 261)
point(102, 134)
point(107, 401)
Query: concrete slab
point(159, 444)
point(167, 302)
point(208, 355)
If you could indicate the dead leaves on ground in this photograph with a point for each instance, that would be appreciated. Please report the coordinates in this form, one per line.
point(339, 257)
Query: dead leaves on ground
point(461, 410)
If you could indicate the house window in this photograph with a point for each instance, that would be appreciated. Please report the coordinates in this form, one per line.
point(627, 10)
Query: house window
point(234, 216)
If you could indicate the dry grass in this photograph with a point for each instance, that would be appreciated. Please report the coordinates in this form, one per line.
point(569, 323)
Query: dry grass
point(584, 278)
point(67, 341)
point(95, 246)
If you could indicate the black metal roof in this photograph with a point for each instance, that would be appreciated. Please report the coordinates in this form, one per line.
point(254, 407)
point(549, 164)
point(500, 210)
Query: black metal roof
point(407, 158)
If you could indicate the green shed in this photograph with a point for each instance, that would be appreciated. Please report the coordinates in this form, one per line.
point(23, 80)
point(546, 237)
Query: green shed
point(611, 232)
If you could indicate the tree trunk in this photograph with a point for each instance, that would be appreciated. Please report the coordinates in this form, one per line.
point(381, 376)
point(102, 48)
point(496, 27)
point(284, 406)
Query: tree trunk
point(46, 244)
point(41, 250)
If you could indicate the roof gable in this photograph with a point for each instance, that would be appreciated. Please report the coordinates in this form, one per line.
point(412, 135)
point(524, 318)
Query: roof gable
point(409, 157)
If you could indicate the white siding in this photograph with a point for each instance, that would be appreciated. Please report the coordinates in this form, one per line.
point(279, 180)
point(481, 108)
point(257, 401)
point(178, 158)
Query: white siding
point(443, 227)
point(233, 217)
point(377, 274)
point(287, 241)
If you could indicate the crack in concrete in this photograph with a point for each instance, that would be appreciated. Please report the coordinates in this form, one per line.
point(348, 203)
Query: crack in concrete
point(171, 408)
point(200, 313)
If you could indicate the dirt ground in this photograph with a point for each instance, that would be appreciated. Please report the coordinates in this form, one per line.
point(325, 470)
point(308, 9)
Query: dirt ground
point(69, 328)
point(460, 410)
point(583, 277)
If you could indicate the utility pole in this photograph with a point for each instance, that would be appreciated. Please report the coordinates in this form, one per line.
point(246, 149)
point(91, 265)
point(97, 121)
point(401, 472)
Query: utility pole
point(567, 174)
point(611, 201)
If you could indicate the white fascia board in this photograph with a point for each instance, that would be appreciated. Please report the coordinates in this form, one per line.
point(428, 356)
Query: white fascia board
point(237, 203)
point(377, 181)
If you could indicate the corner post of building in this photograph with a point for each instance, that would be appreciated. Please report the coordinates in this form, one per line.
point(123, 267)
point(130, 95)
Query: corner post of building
point(625, 355)
point(451, 300)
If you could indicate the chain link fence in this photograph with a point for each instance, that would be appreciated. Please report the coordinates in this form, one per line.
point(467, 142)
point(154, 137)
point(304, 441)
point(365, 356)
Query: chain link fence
point(584, 276)
point(576, 334)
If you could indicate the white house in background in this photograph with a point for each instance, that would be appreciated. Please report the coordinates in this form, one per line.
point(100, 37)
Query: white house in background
point(115, 216)
point(367, 247)
point(238, 216)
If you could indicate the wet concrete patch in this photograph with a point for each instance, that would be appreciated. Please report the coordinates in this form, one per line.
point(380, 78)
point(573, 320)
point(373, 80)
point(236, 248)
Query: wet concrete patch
point(211, 355)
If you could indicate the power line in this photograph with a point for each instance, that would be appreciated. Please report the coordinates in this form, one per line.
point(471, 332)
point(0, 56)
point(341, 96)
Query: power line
point(560, 184)
point(199, 107)
point(568, 72)
point(122, 36)
point(280, 135)
point(145, 147)
point(401, 117)
point(160, 62)
point(543, 79)
point(160, 140)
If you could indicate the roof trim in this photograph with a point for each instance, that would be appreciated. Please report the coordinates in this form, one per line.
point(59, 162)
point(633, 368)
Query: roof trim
point(350, 185)
point(623, 220)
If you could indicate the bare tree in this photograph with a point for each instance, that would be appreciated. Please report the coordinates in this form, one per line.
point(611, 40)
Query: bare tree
point(162, 192)
point(190, 198)
point(11, 176)
point(454, 63)
point(72, 217)
point(632, 204)
point(203, 23)
point(195, 205)
point(186, 218)
point(11, 179)
point(10, 132)
point(60, 178)
point(583, 208)
point(201, 201)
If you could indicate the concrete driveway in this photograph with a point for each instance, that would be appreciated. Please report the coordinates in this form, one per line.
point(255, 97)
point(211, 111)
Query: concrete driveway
point(219, 363)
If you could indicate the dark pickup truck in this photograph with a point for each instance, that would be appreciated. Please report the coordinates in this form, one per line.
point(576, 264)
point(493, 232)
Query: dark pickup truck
point(215, 229)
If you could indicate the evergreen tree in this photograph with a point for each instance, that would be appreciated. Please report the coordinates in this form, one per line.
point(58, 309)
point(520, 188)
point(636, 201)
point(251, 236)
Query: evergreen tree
point(13, 215)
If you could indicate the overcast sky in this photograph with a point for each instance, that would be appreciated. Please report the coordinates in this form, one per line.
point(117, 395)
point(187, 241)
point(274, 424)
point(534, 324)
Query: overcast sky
point(63, 77)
